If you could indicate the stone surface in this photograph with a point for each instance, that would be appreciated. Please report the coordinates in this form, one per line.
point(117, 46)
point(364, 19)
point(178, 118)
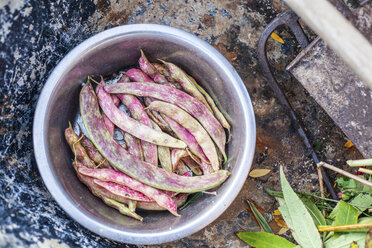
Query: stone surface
point(35, 36)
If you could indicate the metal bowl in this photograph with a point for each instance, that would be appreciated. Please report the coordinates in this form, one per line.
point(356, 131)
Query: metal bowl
point(110, 51)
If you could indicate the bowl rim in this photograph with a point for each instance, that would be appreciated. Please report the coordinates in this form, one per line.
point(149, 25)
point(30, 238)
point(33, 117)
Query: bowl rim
point(63, 200)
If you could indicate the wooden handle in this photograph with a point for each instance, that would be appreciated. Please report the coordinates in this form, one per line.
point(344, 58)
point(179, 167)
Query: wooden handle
point(338, 33)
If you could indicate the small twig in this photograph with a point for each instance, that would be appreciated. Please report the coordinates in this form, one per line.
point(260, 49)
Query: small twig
point(345, 173)
point(359, 162)
point(100, 164)
point(367, 171)
point(344, 227)
point(210, 192)
point(320, 177)
point(94, 81)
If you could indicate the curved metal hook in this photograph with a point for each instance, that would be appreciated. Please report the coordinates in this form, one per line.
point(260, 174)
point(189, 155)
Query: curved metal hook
point(290, 19)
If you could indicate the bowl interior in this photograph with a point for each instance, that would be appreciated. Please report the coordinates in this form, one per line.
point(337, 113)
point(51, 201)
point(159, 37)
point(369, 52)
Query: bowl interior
point(111, 55)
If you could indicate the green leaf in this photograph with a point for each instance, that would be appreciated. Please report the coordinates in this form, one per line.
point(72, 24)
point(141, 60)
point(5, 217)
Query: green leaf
point(303, 224)
point(362, 200)
point(365, 220)
point(264, 240)
point(260, 219)
point(286, 216)
point(334, 212)
point(315, 213)
point(346, 214)
point(345, 240)
point(274, 193)
point(350, 185)
point(191, 199)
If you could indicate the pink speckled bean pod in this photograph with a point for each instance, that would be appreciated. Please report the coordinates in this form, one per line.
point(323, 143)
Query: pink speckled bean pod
point(137, 75)
point(138, 113)
point(120, 178)
point(181, 99)
point(194, 167)
point(164, 71)
point(187, 85)
point(76, 147)
point(93, 153)
point(187, 137)
point(120, 159)
point(150, 70)
point(121, 208)
point(109, 125)
point(130, 125)
point(109, 199)
point(176, 155)
point(212, 104)
point(133, 145)
point(123, 191)
point(193, 126)
point(181, 168)
point(179, 199)
point(124, 79)
point(164, 153)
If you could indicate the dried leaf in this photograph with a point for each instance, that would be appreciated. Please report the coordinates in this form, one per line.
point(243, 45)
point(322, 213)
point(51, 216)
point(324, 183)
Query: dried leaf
point(280, 222)
point(259, 172)
point(283, 230)
point(260, 219)
point(348, 144)
point(277, 38)
point(307, 234)
point(264, 240)
point(277, 212)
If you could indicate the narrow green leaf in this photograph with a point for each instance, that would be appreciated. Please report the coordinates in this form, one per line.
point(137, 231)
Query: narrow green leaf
point(260, 219)
point(265, 240)
point(274, 193)
point(303, 224)
point(345, 240)
point(315, 213)
point(191, 199)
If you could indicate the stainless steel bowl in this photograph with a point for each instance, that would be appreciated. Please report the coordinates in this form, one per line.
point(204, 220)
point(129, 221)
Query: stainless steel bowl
point(110, 51)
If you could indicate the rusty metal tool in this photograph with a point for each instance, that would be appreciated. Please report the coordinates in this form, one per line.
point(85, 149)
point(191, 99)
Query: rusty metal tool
point(290, 19)
point(337, 89)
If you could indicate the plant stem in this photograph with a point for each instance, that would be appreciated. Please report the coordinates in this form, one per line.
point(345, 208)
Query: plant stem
point(359, 162)
point(345, 173)
point(344, 227)
point(367, 171)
